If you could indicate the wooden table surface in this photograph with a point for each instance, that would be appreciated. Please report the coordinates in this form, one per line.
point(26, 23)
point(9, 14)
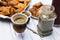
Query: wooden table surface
point(7, 32)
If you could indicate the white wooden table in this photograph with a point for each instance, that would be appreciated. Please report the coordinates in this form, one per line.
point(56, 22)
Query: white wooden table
point(7, 33)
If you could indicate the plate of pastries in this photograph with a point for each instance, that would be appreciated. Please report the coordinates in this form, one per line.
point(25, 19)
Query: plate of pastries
point(11, 7)
point(34, 10)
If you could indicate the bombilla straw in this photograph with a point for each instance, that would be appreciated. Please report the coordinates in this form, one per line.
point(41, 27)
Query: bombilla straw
point(32, 30)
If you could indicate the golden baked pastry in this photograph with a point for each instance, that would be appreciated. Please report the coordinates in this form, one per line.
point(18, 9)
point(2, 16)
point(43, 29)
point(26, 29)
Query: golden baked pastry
point(27, 1)
point(34, 10)
point(3, 3)
point(10, 7)
point(5, 10)
point(38, 5)
point(12, 11)
point(20, 6)
point(24, 0)
point(12, 2)
point(21, 0)
point(18, 10)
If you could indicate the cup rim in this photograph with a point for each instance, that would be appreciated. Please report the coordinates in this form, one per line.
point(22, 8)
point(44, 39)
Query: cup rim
point(29, 13)
point(44, 6)
point(19, 23)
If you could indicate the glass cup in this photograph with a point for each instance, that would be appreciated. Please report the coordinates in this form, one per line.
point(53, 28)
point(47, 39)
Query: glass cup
point(46, 20)
point(19, 23)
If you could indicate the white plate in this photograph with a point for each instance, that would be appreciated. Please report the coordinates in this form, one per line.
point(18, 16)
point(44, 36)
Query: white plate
point(34, 17)
point(7, 17)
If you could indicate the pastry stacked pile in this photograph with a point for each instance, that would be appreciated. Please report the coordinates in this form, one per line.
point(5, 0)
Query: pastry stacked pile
point(34, 10)
point(10, 7)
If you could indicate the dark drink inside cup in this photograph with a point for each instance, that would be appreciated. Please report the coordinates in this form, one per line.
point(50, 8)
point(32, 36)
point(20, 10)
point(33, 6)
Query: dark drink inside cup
point(19, 22)
point(56, 4)
point(19, 28)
